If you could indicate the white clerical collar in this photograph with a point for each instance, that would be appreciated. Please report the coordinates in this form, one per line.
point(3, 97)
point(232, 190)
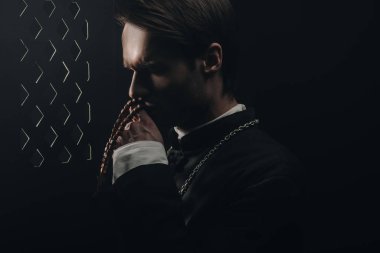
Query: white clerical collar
point(236, 108)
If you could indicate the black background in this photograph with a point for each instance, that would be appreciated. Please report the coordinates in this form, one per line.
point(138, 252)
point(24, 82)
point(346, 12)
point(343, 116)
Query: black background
point(310, 69)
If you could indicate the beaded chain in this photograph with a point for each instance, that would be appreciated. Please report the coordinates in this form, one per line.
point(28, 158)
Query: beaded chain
point(190, 178)
point(117, 129)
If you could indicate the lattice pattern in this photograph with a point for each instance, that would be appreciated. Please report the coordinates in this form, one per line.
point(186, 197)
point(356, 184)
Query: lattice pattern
point(55, 81)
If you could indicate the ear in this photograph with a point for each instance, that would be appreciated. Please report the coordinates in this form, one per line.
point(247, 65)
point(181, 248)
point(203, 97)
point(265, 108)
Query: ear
point(213, 58)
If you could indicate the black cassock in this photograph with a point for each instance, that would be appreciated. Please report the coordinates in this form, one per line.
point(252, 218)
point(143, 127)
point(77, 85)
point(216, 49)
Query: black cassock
point(245, 198)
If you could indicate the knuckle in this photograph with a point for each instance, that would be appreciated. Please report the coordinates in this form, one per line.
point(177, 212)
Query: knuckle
point(118, 141)
point(133, 125)
point(128, 126)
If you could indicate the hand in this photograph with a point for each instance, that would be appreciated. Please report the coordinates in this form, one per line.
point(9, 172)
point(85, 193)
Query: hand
point(141, 128)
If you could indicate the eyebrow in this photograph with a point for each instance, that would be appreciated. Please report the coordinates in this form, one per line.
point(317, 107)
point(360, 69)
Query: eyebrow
point(142, 64)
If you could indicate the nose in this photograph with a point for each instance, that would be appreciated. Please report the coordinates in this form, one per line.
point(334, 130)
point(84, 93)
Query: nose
point(138, 87)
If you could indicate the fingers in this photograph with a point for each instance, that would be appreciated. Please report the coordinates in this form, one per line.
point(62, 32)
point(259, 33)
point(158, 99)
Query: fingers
point(142, 127)
point(137, 113)
point(128, 126)
point(134, 113)
point(119, 142)
point(145, 118)
point(134, 130)
point(126, 137)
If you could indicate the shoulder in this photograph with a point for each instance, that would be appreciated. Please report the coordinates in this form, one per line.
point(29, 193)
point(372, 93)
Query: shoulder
point(253, 154)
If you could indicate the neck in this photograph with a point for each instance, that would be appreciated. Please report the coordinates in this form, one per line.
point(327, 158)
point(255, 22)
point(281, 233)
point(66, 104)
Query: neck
point(213, 110)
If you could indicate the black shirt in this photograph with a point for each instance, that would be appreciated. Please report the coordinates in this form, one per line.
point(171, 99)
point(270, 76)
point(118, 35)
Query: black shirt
point(245, 198)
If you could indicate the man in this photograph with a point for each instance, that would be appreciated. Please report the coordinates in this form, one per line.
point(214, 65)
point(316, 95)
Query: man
point(224, 185)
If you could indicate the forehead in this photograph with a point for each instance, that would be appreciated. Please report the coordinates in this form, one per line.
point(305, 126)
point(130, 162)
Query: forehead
point(140, 46)
point(135, 42)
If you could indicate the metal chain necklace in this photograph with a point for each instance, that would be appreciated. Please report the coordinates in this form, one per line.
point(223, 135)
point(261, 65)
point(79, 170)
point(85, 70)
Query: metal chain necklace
point(188, 181)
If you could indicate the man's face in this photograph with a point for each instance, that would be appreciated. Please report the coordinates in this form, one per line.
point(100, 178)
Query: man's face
point(163, 77)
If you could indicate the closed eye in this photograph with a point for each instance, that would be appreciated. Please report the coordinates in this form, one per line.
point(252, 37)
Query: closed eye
point(157, 68)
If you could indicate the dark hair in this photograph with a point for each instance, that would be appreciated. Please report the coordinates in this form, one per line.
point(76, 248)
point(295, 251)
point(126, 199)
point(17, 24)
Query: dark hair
point(193, 24)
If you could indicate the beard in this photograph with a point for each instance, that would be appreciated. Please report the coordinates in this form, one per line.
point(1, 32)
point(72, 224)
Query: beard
point(181, 104)
point(169, 115)
point(185, 116)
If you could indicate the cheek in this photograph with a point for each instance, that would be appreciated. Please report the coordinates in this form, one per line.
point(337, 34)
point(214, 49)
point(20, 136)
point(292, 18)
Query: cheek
point(160, 82)
point(176, 80)
point(178, 86)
